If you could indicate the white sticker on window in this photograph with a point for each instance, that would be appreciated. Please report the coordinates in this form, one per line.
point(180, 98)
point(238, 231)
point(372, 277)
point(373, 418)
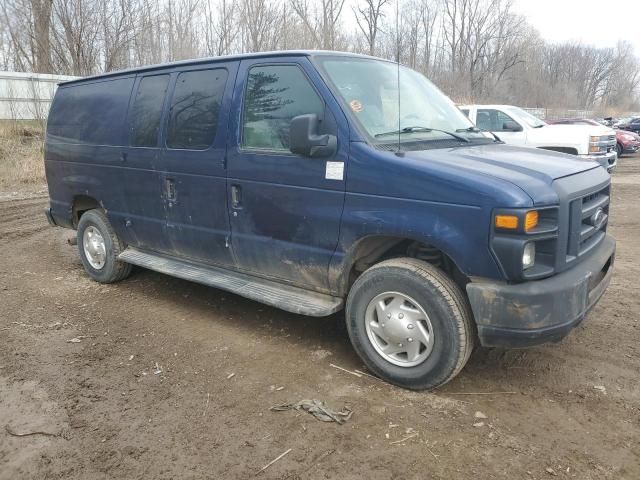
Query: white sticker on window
point(335, 171)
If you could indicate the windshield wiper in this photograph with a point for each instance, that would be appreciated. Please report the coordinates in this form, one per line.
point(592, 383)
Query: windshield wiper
point(421, 129)
point(474, 129)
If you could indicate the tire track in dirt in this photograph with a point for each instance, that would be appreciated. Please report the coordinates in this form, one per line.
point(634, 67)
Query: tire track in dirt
point(193, 420)
point(22, 218)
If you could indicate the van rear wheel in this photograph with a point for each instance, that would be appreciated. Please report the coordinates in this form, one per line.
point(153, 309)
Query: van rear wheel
point(99, 247)
point(410, 323)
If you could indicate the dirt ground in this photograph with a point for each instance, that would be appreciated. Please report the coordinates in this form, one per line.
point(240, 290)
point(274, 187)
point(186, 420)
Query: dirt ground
point(168, 379)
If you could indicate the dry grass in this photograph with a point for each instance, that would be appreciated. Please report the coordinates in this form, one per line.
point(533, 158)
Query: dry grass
point(21, 159)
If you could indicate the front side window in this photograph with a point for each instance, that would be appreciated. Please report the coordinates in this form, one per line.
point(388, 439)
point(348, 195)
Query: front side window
point(494, 120)
point(144, 119)
point(274, 95)
point(194, 109)
point(385, 99)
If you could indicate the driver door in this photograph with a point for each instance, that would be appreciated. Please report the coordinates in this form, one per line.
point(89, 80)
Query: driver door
point(284, 209)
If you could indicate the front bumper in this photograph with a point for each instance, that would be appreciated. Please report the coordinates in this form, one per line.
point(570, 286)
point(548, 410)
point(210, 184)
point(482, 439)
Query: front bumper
point(531, 313)
point(608, 161)
point(49, 215)
point(630, 147)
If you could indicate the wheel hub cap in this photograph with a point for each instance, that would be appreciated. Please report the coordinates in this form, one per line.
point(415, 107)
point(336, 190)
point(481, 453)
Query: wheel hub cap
point(399, 329)
point(94, 247)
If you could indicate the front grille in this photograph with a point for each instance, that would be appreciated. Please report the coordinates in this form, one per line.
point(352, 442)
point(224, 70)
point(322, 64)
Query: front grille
point(604, 144)
point(587, 226)
point(611, 144)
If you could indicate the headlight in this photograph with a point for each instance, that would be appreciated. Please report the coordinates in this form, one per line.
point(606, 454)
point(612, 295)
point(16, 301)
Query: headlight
point(595, 145)
point(528, 255)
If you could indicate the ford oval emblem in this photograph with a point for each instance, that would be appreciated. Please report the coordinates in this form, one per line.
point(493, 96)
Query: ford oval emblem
point(598, 218)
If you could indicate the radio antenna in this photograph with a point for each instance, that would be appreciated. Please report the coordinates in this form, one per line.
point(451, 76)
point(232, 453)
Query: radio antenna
point(399, 151)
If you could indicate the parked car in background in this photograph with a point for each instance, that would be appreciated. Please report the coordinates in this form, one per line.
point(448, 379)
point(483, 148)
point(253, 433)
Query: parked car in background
point(626, 142)
point(607, 121)
point(291, 178)
point(631, 124)
point(515, 126)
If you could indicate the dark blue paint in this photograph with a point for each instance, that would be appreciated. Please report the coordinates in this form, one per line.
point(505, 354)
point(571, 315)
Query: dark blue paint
point(292, 223)
point(288, 223)
point(197, 220)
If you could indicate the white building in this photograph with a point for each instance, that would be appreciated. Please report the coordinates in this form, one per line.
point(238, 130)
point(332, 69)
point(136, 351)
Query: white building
point(25, 96)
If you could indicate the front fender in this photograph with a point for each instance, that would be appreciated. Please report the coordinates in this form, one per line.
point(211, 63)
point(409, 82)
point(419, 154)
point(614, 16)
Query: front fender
point(460, 231)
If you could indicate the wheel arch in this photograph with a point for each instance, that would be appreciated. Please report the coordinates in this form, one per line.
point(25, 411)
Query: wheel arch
point(81, 204)
point(372, 249)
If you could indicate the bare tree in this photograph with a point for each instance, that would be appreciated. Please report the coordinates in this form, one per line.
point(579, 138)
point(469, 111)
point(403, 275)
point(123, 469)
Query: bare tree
point(368, 19)
point(259, 25)
point(476, 50)
point(321, 20)
point(221, 27)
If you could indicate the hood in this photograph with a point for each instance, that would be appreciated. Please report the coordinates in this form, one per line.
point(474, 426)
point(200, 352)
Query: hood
point(517, 165)
point(580, 129)
point(620, 133)
point(567, 135)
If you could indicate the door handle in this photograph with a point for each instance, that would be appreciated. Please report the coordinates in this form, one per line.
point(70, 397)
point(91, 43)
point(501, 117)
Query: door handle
point(236, 196)
point(170, 189)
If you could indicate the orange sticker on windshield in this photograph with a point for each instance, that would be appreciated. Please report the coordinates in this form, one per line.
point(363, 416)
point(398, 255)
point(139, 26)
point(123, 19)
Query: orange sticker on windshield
point(355, 105)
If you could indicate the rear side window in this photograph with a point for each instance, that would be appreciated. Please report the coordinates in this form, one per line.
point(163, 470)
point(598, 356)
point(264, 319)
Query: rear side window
point(274, 95)
point(144, 119)
point(194, 109)
point(90, 113)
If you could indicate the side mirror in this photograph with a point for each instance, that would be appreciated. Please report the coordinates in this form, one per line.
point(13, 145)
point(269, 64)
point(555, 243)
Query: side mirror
point(304, 138)
point(510, 126)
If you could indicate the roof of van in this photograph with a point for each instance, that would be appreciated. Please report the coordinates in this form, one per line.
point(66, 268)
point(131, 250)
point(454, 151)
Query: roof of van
point(222, 58)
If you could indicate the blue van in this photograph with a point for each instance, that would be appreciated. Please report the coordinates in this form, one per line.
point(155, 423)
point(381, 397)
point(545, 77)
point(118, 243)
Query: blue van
point(317, 181)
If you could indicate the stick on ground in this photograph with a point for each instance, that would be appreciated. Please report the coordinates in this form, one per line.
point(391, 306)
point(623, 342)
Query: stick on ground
point(404, 439)
point(345, 370)
point(274, 461)
point(26, 434)
point(481, 393)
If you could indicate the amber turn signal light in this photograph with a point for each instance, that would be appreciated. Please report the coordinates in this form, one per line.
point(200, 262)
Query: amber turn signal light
point(530, 221)
point(509, 222)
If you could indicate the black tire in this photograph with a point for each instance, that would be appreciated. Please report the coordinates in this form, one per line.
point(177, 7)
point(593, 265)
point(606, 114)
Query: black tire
point(619, 149)
point(440, 298)
point(113, 270)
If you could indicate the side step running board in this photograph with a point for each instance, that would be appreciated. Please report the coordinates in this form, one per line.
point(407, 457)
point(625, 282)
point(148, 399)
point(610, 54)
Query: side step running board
point(291, 299)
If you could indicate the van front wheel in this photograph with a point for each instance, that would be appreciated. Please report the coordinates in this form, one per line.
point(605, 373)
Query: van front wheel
point(410, 323)
point(99, 247)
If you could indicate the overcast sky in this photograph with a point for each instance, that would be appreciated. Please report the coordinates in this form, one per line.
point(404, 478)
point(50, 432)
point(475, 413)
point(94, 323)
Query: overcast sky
point(594, 22)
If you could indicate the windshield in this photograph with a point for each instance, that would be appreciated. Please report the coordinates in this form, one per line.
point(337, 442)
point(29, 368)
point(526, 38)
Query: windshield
point(526, 117)
point(369, 90)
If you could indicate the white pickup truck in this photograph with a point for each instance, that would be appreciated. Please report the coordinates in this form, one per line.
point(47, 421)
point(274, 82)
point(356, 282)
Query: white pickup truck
point(515, 126)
